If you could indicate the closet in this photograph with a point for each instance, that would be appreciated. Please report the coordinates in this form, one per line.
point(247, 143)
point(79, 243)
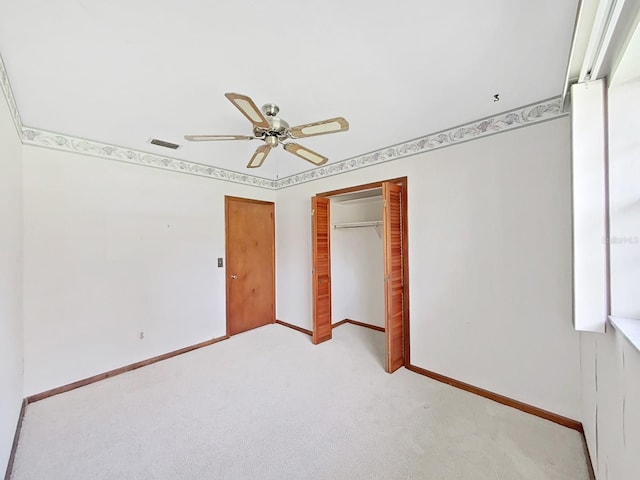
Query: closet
point(360, 264)
point(357, 258)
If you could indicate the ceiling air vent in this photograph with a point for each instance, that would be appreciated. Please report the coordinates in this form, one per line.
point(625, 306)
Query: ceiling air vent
point(162, 143)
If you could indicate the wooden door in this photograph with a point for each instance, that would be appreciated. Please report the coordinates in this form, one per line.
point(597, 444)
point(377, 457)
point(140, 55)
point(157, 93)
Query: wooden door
point(321, 269)
point(393, 274)
point(250, 253)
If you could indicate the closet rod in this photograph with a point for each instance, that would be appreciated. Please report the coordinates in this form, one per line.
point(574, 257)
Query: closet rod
point(358, 224)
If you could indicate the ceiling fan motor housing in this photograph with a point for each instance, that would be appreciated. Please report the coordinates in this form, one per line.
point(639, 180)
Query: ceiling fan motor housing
point(277, 127)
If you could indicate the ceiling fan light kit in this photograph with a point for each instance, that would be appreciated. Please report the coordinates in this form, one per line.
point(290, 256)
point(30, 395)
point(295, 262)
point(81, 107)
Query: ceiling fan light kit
point(273, 131)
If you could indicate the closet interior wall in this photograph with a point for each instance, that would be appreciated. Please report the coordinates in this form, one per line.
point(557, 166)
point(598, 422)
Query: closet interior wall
point(357, 261)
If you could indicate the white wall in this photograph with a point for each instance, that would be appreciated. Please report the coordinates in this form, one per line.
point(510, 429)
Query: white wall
point(489, 249)
point(11, 342)
point(610, 363)
point(611, 400)
point(110, 250)
point(357, 263)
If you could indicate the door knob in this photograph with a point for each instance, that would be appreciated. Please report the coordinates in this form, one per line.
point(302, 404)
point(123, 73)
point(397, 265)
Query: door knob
point(234, 277)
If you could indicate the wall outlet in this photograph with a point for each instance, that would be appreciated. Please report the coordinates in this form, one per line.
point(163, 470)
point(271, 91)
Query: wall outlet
point(141, 335)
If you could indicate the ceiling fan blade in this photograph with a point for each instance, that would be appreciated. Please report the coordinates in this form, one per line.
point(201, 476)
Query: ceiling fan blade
point(306, 154)
point(211, 138)
point(332, 125)
point(258, 157)
point(248, 109)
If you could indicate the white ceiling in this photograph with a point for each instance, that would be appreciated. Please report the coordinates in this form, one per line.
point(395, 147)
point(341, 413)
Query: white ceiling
point(122, 71)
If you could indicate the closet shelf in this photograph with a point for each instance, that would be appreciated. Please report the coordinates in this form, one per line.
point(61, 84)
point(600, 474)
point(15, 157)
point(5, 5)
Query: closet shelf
point(377, 223)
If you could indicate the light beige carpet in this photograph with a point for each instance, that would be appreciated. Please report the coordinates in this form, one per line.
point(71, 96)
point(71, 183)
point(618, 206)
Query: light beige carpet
point(267, 404)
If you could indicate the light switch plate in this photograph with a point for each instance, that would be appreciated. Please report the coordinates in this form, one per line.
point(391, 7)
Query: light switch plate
point(219, 261)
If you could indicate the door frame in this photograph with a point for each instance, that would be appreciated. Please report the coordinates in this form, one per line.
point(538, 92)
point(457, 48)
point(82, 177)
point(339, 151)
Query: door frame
point(230, 198)
point(402, 181)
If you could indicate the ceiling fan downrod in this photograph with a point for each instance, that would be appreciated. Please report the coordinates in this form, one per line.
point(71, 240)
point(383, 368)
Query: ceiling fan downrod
point(270, 109)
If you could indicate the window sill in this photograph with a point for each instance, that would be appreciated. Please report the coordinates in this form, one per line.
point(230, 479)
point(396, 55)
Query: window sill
point(629, 327)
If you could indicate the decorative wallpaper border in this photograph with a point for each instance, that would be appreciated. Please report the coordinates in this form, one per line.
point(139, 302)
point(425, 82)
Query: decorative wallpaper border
point(57, 141)
point(43, 138)
point(5, 85)
point(503, 122)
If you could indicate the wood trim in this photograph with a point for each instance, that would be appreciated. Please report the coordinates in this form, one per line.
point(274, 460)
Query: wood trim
point(405, 272)
point(510, 402)
point(359, 324)
point(341, 322)
point(335, 325)
point(358, 188)
point(248, 200)
point(226, 266)
point(273, 254)
point(295, 327)
point(16, 439)
point(367, 325)
point(118, 371)
point(227, 199)
point(587, 454)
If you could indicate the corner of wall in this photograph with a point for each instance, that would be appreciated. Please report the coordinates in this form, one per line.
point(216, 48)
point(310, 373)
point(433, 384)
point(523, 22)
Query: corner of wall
point(11, 288)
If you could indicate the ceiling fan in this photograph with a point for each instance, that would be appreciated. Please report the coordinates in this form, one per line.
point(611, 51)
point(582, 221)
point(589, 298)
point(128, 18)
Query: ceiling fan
point(273, 131)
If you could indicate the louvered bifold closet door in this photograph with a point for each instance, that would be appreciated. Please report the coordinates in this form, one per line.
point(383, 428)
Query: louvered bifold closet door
point(393, 275)
point(321, 270)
